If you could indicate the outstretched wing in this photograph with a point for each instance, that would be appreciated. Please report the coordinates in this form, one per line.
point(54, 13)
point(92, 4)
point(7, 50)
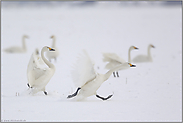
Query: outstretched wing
point(108, 57)
point(34, 68)
point(112, 59)
point(83, 70)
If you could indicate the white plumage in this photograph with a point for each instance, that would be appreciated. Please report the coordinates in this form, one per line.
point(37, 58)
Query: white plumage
point(144, 58)
point(17, 49)
point(87, 80)
point(114, 60)
point(83, 70)
point(39, 77)
point(53, 55)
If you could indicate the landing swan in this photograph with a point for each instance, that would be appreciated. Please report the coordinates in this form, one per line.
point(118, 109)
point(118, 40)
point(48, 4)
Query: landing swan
point(53, 55)
point(114, 60)
point(39, 77)
point(144, 58)
point(16, 49)
point(87, 80)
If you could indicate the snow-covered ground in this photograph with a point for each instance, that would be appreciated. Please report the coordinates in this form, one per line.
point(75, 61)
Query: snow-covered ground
point(149, 92)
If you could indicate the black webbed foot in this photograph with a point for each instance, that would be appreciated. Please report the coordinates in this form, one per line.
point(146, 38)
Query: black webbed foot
point(70, 96)
point(45, 93)
point(29, 85)
point(103, 97)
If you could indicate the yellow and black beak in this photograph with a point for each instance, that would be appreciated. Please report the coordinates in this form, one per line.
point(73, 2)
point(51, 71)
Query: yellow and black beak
point(136, 48)
point(131, 65)
point(50, 49)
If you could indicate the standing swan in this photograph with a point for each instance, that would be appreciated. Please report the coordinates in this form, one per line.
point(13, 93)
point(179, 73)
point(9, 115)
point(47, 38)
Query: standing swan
point(39, 77)
point(16, 49)
point(53, 55)
point(115, 60)
point(144, 58)
point(88, 81)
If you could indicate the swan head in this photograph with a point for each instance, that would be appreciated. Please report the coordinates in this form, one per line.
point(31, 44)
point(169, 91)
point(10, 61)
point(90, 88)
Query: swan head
point(25, 36)
point(37, 51)
point(52, 36)
point(131, 65)
point(50, 49)
point(152, 46)
point(135, 48)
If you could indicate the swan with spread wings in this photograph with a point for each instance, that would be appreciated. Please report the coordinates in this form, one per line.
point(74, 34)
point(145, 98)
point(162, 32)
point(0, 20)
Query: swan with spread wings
point(38, 77)
point(87, 80)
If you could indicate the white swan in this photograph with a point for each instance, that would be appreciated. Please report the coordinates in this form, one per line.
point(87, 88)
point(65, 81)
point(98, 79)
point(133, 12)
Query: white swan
point(114, 60)
point(39, 77)
point(53, 55)
point(144, 58)
point(16, 49)
point(87, 80)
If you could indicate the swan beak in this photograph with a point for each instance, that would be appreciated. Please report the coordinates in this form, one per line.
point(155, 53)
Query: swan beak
point(51, 49)
point(51, 36)
point(131, 65)
point(136, 48)
point(153, 46)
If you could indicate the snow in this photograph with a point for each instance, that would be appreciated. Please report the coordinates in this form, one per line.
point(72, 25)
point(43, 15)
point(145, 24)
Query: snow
point(149, 92)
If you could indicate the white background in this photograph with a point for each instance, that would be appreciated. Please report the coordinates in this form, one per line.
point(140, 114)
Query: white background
point(149, 92)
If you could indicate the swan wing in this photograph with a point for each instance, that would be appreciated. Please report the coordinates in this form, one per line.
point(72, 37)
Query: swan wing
point(38, 72)
point(112, 64)
point(34, 69)
point(112, 57)
point(34, 62)
point(83, 70)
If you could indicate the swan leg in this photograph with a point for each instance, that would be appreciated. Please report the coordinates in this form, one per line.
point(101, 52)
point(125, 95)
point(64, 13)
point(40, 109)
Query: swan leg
point(117, 73)
point(70, 96)
point(114, 74)
point(103, 97)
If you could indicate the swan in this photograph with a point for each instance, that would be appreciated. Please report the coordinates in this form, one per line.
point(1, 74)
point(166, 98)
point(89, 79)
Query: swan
point(16, 49)
point(114, 60)
point(53, 55)
point(39, 77)
point(144, 58)
point(87, 80)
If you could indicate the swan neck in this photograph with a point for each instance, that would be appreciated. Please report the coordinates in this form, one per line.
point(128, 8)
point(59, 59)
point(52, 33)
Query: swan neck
point(23, 43)
point(129, 56)
point(49, 64)
point(54, 42)
point(148, 51)
point(108, 74)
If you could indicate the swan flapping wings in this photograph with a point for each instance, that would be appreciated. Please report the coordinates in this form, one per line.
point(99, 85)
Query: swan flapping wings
point(112, 59)
point(34, 69)
point(83, 70)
